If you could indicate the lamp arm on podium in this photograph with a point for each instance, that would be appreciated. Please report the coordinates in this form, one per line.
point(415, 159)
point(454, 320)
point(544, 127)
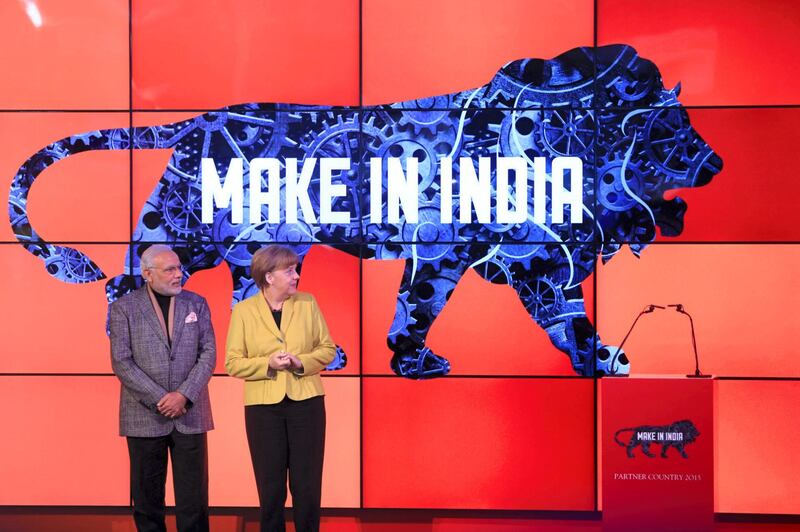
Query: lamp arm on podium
point(647, 310)
point(679, 308)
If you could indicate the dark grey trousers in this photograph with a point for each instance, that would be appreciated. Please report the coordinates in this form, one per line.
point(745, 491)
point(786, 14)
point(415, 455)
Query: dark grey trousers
point(148, 456)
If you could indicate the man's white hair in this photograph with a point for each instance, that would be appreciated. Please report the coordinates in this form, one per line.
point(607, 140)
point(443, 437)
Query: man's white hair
point(150, 253)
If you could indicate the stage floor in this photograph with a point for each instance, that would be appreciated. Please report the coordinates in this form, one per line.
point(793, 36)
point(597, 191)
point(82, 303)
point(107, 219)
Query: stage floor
point(50, 519)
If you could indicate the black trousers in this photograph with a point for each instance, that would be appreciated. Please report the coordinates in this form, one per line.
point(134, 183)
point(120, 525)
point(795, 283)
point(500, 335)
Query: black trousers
point(289, 434)
point(189, 475)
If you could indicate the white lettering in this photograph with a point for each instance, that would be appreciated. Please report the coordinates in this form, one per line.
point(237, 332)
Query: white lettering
point(328, 191)
point(446, 189)
point(572, 197)
point(539, 190)
point(510, 205)
point(270, 198)
point(475, 190)
point(375, 190)
point(215, 193)
point(520, 169)
point(403, 189)
point(297, 190)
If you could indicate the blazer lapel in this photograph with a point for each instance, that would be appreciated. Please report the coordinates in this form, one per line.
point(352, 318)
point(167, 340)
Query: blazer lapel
point(179, 318)
point(149, 313)
point(286, 317)
point(266, 315)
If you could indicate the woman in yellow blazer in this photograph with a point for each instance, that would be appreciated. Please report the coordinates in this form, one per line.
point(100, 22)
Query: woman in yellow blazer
point(278, 343)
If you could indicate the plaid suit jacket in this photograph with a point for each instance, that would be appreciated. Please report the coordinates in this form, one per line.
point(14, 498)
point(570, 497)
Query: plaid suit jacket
point(148, 368)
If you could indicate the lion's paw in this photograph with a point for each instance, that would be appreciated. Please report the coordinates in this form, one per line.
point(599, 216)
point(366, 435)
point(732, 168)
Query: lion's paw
point(611, 360)
point(339, 360)
point(423, 364)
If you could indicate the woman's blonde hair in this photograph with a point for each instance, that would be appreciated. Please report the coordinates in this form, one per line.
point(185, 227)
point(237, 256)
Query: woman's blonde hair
point(269, 259)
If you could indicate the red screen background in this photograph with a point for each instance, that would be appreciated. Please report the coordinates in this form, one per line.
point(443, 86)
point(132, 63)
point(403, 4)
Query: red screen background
point(391, 442)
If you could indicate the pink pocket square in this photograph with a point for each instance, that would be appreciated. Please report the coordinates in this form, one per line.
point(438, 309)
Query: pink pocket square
point(191, 318)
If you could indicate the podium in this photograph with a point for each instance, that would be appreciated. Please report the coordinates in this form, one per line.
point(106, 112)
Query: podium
point(657, 445)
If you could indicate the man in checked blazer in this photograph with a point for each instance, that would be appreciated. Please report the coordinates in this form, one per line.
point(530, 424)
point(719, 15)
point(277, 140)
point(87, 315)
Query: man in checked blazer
point(163, 352)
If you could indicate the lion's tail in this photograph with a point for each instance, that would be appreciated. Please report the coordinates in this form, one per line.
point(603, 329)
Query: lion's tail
point(616, 436)
point(65, 263)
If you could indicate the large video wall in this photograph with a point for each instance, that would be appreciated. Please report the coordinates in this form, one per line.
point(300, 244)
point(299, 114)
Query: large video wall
point(111, 105)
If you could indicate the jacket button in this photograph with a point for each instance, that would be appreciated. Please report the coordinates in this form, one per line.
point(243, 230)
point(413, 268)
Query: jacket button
point(172, 358)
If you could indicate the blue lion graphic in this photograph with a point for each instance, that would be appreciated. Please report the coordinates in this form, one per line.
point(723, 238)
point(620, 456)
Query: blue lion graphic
point(606, 106)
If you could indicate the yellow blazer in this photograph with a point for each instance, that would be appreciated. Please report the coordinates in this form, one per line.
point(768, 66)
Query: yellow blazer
point(253, 337)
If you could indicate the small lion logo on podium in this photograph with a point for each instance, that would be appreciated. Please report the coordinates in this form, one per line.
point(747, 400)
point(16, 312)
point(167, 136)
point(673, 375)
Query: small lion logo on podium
point(677, 435)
